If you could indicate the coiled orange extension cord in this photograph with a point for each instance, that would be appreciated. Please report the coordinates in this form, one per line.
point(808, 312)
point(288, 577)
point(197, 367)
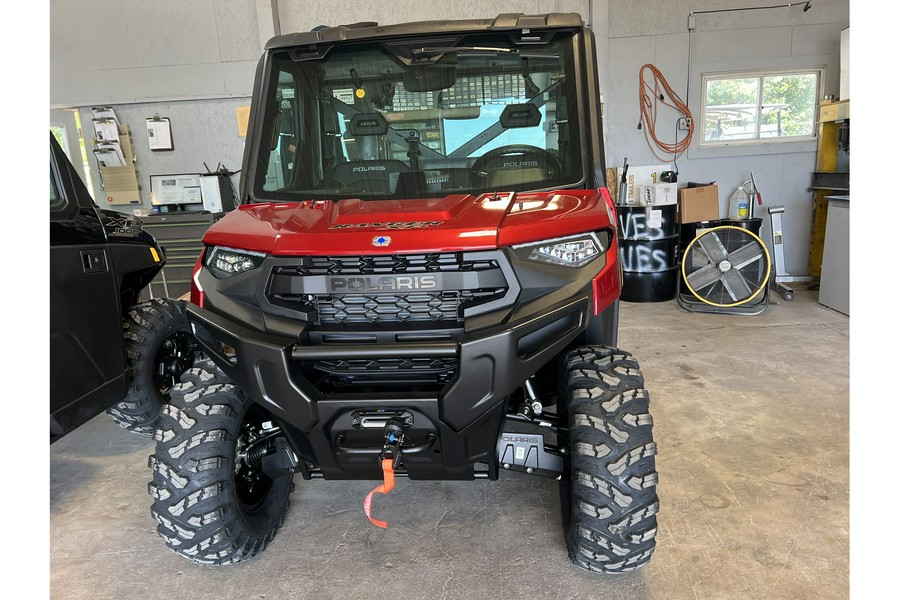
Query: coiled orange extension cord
point(651, 96)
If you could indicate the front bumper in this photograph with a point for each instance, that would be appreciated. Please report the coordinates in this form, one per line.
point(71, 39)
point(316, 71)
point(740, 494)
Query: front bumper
point(453, 433)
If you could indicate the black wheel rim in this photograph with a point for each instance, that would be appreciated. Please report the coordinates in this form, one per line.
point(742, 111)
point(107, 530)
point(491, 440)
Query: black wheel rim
point(174, 357)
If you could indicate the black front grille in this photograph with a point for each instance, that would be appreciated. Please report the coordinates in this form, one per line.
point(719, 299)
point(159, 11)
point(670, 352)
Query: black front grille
point(394, 288)
point(440, 368)
point(387, 264)
point(396, 308)
point(334, 376)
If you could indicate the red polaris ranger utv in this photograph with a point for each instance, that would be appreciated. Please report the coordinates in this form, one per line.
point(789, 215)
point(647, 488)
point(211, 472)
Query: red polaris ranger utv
point(421, 281)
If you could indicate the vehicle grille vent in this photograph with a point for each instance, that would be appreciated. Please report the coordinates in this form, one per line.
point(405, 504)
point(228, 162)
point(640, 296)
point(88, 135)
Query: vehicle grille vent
point(387, 264)
point(385, 288)
point(443, 367)
point(396, 308)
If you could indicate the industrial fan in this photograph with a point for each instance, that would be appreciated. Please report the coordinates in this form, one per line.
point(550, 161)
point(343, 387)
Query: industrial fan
point(726, 269)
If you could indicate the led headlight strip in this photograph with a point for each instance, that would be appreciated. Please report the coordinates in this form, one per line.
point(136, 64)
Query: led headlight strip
point(571, 251)
point(226, 262)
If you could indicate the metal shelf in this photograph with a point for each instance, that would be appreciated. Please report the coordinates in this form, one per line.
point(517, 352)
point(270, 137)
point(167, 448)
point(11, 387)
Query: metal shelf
point(181, 237)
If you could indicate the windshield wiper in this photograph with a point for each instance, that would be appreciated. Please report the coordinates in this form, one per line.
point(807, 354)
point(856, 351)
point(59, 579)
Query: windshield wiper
point(432, 53)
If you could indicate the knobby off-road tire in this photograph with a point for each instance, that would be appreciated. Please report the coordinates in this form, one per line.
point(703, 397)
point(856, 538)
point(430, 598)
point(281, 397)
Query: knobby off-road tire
point(609, 500)
point(212, 508)
point(157, 338)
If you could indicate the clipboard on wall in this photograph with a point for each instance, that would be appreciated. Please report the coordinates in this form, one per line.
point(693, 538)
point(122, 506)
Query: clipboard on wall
point(159, 133)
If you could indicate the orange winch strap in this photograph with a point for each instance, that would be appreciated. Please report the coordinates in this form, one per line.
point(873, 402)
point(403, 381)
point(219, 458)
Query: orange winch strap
point(388, 467)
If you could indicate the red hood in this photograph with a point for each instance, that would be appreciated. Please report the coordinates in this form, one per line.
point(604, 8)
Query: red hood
point(457, 222)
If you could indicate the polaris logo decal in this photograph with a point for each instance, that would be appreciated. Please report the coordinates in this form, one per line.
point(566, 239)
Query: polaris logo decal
point(369, 168)
point(522, 439)
point(520, 164)
point(388, 225)
point(381, 284)
point(381, 241)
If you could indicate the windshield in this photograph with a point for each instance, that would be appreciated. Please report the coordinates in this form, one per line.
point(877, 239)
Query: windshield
point(390, 120)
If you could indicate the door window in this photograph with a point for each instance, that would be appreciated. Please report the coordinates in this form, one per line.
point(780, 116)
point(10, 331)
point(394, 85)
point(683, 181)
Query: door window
point(57, 200)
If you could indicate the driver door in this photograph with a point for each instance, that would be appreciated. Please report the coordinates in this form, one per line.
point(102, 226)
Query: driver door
point(87, 359)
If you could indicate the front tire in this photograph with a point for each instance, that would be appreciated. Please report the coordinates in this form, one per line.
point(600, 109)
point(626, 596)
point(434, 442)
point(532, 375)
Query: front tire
point(609, 499)
point(212, 504)
point(159, 347)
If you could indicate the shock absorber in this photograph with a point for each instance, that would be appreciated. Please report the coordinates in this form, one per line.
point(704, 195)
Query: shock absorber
point(256, 453)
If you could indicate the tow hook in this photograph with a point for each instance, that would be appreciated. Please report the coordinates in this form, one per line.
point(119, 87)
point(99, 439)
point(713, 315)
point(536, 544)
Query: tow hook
point(390, 456)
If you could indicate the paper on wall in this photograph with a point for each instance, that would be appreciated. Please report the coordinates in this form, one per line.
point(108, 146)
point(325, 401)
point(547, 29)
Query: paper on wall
point(113, 147)
point(104, 112)
point(108, 157)
point(159, 134)
point(106, 130)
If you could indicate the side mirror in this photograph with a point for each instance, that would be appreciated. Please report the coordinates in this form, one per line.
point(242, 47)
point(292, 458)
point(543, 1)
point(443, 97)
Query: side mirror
point(429, 78)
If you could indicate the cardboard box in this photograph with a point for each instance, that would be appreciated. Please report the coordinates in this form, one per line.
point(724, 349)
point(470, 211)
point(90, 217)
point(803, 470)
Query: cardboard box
point(698, 204)
point(123, 197)
point(658, 194)
point(120, 185)
point(638, 176)
point(834, 111)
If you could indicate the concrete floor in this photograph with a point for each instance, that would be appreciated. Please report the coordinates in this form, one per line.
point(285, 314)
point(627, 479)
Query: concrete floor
point(751, 419)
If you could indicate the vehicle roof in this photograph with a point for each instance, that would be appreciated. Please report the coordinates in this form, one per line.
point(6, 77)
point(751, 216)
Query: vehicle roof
point(370, 30)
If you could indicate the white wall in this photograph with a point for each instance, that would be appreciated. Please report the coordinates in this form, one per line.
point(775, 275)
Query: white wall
point(113, 52)
point(203, 131)
point(190, 60)
point(651, 31)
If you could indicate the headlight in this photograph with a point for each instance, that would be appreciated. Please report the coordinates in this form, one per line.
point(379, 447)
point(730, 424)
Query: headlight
point(573, 251)
point(225, 262)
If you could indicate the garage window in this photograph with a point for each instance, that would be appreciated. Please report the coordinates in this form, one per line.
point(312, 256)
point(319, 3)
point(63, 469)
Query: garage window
point(759, 107)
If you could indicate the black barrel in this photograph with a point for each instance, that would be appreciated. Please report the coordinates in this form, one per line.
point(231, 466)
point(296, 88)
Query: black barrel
point(753, 225)
point(689, 231)
point(648, 247)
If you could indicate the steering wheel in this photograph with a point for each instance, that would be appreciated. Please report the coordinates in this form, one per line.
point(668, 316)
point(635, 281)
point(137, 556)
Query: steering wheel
point(517, 157)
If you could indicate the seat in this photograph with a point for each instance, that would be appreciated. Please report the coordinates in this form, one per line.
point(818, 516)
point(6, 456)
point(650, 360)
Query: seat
point(369, 176)
point(516, 165)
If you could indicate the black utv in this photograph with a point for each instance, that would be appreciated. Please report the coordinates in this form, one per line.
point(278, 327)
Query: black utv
point(108, 350)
